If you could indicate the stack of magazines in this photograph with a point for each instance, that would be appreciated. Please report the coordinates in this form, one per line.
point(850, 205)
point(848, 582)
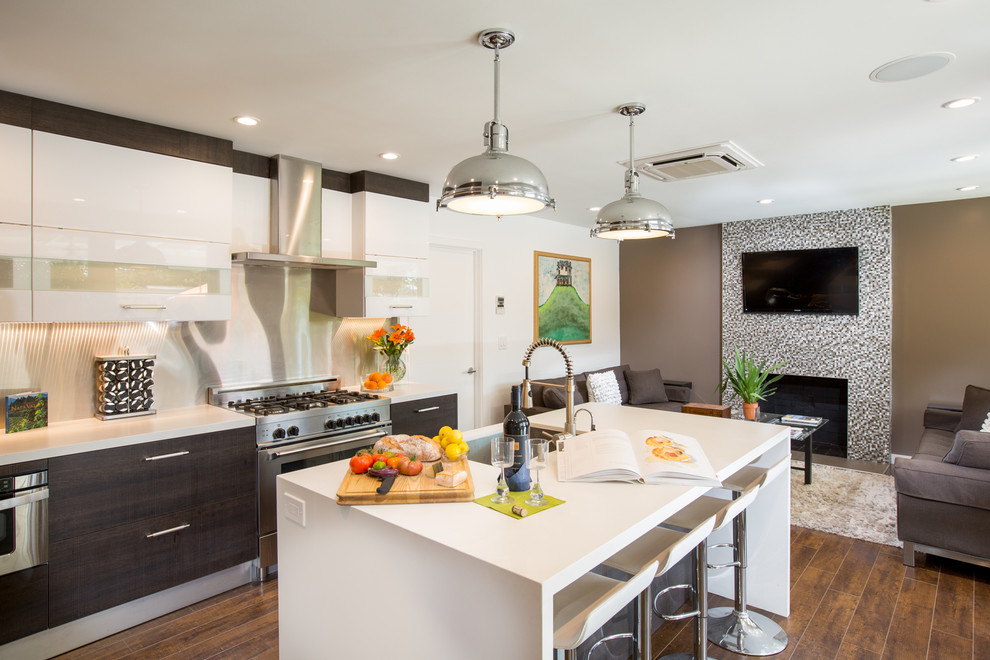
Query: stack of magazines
point(801, 420)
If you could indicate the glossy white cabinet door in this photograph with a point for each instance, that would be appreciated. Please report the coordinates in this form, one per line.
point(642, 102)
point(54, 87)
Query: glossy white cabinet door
point(337, 225)
point(15, 174)
point(390, 226)
point(15, 272)
point(397, 287)
point(80, 184)
point(94, 276)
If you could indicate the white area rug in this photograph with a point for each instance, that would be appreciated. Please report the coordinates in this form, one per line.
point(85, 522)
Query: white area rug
point(860, 505)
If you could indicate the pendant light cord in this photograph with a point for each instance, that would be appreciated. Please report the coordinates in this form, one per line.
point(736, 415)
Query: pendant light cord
point(497, 118)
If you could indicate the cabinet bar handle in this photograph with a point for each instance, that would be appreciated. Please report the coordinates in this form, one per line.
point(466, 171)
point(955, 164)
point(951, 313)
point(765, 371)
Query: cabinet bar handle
point(166, 531)
point(422, 410)
point(160, 457)
point(143, 307)
point(400, 306)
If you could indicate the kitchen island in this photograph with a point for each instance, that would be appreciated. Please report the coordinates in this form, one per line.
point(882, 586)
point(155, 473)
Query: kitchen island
point(463, 581)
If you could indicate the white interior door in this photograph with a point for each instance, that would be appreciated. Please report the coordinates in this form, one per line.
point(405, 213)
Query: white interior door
point(447, 341)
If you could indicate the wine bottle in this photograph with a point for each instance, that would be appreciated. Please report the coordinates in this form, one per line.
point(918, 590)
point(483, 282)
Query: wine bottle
point(516, 427)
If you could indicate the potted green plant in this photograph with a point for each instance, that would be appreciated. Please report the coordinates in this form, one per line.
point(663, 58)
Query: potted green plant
point(749, 380)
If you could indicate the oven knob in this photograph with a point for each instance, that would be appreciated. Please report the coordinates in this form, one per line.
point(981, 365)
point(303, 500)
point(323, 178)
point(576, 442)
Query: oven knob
point(349, 421)
point(328, 425)
point(278, 433)
point(366, 418)
point(293, 431)
point(375, 417)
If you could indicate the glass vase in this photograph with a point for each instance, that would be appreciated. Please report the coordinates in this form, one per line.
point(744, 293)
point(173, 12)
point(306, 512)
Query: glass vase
point(395, 366)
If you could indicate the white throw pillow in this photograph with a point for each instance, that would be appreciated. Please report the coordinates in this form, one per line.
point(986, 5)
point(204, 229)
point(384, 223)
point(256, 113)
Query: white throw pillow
point(604, 388)
point(986, 424)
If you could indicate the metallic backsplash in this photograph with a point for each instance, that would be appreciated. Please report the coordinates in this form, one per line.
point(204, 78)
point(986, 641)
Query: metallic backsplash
point(272, 336)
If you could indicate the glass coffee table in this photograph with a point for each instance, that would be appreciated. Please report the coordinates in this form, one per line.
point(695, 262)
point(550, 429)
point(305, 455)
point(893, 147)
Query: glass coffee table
point(800, 432)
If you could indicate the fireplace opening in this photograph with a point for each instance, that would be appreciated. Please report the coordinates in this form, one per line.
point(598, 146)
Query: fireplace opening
point(817, 397)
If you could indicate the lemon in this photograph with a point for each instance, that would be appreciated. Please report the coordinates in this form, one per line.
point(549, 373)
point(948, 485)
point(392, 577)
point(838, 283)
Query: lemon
point(463, 447)
point(456, 435)
point(453, 451)
point(445, 430)
point(437, 438)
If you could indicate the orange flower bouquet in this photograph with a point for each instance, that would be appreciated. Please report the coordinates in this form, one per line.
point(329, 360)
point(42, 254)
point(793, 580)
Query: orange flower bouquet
point(390, 343)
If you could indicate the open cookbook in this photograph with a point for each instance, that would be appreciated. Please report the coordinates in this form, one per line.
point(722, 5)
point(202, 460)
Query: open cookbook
point(649, 456)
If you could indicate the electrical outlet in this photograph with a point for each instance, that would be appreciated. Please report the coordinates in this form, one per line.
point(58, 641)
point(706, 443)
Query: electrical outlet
point(295, 509)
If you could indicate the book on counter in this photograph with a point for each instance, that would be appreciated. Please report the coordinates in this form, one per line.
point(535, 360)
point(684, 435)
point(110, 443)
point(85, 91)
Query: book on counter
point(801, 420)
point(648, 456)
point(25, 411)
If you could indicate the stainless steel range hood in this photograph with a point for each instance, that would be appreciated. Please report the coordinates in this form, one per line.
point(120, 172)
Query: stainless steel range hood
point(295, 229)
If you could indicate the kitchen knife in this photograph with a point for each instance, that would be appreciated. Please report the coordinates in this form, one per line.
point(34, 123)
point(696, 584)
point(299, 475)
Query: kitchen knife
point(386, 485)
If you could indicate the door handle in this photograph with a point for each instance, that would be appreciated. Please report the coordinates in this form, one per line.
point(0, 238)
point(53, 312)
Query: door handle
point(471, 370)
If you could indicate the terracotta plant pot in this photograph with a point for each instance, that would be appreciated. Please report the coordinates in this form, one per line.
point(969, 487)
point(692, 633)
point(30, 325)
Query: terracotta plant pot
point(749, 410)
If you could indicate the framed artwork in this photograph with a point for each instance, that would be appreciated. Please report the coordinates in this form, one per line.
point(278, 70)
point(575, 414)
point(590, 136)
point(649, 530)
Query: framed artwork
point(562, 298)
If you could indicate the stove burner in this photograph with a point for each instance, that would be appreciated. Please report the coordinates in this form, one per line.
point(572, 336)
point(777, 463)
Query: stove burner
point(266, 408)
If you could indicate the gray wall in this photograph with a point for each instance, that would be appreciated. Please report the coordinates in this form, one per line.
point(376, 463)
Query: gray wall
point(670, 306)
point(941, 308)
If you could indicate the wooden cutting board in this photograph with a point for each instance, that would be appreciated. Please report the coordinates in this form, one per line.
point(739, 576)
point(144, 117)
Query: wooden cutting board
point(361, 488)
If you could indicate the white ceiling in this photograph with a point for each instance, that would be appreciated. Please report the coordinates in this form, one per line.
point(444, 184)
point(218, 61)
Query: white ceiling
point(340, 82)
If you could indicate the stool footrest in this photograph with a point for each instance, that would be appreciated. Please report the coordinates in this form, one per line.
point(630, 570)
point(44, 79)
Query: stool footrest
point(727, 565)
point(674, 617)
point(609, 639)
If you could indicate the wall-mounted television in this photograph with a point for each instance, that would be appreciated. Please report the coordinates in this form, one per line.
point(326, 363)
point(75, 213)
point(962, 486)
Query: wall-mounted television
point(824, 281)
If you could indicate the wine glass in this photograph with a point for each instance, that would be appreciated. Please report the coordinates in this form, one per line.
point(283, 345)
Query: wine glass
point(503, 454)
point(536, 460)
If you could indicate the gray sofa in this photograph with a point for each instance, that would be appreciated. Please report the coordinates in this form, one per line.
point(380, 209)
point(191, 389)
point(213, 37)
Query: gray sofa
point(646, 389)
point(943, 490)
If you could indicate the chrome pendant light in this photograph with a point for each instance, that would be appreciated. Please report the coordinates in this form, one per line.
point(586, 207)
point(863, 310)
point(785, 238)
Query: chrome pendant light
point(633, 216)
point(495, 182)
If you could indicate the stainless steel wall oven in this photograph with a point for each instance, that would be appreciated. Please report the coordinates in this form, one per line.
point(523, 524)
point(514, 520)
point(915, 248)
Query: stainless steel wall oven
point(23, 554)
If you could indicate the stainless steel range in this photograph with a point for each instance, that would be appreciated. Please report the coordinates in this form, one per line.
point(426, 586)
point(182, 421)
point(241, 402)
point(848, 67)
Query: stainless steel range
point(299, 425)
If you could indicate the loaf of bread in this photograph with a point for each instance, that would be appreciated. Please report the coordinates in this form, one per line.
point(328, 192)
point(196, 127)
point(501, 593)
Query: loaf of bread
point(423, 448)
point(451, 478)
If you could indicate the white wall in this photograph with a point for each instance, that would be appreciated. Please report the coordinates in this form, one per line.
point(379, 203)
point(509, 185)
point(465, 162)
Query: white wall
point(506, 247)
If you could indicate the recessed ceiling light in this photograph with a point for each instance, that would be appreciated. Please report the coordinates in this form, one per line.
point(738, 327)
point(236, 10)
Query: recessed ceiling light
point(955, 104)
point(765, 201)
point(247, 120)
point(389, 155)
point(967, 188)
point(913, 66)
point(964, 159)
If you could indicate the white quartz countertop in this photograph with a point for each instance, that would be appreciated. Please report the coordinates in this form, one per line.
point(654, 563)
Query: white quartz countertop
point(406, 391)
point(92, 434)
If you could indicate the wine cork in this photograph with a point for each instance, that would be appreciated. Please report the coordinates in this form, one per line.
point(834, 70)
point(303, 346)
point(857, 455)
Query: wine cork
point(519, 511)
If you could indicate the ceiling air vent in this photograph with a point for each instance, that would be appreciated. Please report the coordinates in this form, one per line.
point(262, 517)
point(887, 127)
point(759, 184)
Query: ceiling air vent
point(699, 161)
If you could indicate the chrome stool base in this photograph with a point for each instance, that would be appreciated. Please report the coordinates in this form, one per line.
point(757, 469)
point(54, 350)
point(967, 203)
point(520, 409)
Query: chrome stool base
point(746, 633)
point(683, 656)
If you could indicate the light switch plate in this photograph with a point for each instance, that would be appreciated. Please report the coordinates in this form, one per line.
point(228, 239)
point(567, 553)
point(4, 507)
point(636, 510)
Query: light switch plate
point(295, 509)
point(503, 343)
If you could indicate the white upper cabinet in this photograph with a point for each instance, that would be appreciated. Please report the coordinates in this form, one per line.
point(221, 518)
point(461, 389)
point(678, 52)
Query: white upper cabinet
point(338, 228)
point(15, 174)
point(15, 223)
point(390, 226)
point(126, 235)
point(80, 184)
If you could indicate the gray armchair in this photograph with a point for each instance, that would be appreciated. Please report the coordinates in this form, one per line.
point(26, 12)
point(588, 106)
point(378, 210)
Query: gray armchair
point(943, 491)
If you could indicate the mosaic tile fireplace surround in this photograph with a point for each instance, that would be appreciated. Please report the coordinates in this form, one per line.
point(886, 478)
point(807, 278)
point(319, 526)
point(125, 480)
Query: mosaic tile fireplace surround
point(856, 348)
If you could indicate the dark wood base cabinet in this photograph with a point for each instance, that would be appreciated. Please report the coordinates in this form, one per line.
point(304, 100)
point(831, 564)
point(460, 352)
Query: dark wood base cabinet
point(103, 569)
point(23, 603)
point(424, 416)
point(131, 521)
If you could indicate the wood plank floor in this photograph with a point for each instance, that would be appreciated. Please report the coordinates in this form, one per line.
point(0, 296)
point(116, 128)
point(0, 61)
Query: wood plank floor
point(850, 600)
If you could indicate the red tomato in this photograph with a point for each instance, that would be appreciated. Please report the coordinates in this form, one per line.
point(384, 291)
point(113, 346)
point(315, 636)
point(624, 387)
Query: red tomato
point(410, 467)
point(393, 461)
point(360, 463)
point(380, 456)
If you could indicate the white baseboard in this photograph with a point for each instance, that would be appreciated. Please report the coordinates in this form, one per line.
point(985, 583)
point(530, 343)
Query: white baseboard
point(893, 456)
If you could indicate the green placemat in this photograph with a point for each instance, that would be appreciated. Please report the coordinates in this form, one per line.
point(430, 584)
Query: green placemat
point(518, 499)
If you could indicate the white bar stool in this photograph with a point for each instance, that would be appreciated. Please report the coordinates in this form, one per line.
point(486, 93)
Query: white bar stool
point(587, 604)
point(664, 548)
point(736, 628)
